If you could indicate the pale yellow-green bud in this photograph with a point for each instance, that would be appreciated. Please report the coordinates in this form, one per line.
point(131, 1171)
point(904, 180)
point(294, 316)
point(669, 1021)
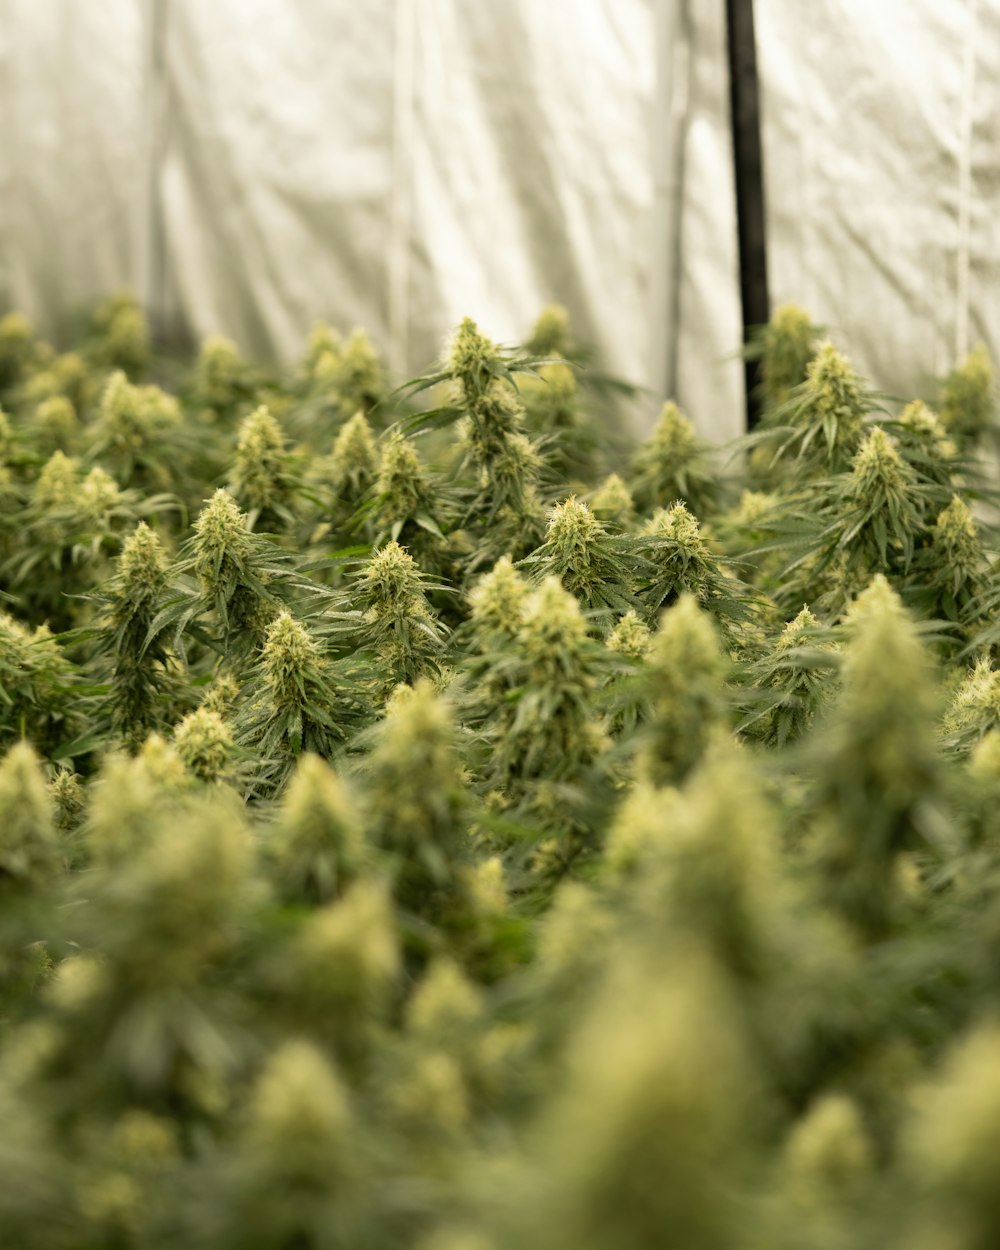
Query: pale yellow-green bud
point(69, 800)
point(984, 762)
point(968, 404)
point(487, 888)
point(829, 1152)
point(221, 532)
point(323, 341)
point(677, 524)
point(218, 372)
point(754, 507)
point(673, 435)
point(630, 637)
point(354, 456)
point(572, 525)
point(204, 743)
point(878, 470)
point(289, 655)
point(392, 581)
point(952, 1145)
point(316, 845)
point(444, 1005)
point(15, 329)
point(551, 619)
point(401, 479)
point(299, 1116)
point(142, 565)
point(260, 462)
point(348, 951)
point(975, 705)
point(791, 635)
point(497, 599)
point(916, 416)
point(471, 357)
point(788, 343)
point(98, 496)
point(57, 483)
point(642, 823)
point(551, 332)
point(57, 417)
point(612, 501)
point(29, 852)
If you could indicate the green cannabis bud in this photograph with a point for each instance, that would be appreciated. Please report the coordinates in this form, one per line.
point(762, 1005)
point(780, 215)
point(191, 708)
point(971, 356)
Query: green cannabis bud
point(140, 670)
point(612, 502)
point(354, 460)
point(826, 414)
point(672, 465)
point(630, 637)
point(357, 378)
point(974, 708)
point(30, 855)
point(57, 422)
point(786, 346)
point(261, 479)
point(496, 603)
point(416, 798)
point(595, 567)
point(551, 334)
point(398, 622)
point(405, 502)
point(123, 331)
point(315, 848)
point(69, 801)
point(219, 375)
point(687, 671)
point(876, 757)
point(348, 967)
point(323, 345)
point(16, 342)
point(473, 360)
point(968, 403)
point(204, 743)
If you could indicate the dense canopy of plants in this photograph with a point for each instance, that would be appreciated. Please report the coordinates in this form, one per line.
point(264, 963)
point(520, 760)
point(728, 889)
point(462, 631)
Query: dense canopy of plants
point(427, 822)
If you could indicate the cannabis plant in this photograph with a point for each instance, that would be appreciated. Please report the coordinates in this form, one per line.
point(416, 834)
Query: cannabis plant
point(504, 853)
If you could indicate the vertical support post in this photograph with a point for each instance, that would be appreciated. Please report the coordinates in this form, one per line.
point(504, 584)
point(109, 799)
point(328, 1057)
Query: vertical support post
point(401, 209)
point(147, 232)
point(748, 167)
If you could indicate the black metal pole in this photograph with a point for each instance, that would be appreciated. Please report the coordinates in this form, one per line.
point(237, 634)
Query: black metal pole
point(748, 167)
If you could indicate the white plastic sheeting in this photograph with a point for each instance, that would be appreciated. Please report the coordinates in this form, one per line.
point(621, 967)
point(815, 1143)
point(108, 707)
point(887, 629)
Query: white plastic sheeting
point(250, 165)
point(397, 163)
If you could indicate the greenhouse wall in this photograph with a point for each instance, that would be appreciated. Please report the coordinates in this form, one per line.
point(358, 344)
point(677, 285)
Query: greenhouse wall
point(416, 160)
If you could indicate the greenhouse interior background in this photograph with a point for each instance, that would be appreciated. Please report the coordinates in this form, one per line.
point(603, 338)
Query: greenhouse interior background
point(499, 625)
point(247, 166)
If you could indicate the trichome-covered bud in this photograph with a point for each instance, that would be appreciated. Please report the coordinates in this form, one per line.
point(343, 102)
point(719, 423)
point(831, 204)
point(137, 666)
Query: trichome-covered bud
point(219, 374)
point(204, 742)
point(291, 660)
point(496, 602)
point(550, 335)
point(260, 479)
point(354, 460)
point(316, 847)
point(631, 637)
point(222, 541)
point(613, 502)
point(30, 856)
point(968, 402)
point(787, 344)
point(672, 464)
point(687, 672)
point(473, 359)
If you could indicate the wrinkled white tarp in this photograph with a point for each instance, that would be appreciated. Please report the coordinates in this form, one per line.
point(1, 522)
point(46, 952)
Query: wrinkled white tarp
point(250, 165)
